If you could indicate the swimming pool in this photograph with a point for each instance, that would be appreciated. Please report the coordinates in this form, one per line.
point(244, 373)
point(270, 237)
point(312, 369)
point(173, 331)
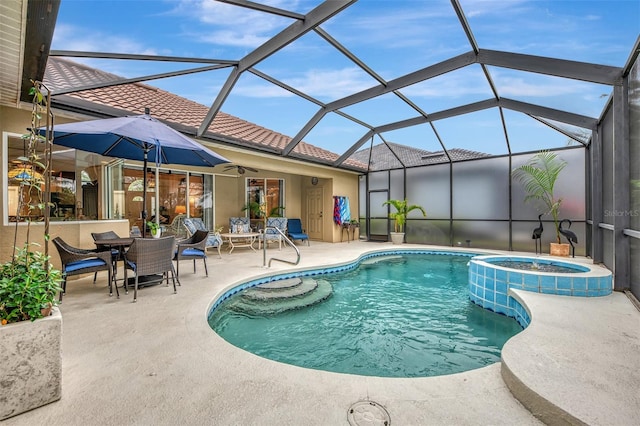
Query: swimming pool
point(392, 315)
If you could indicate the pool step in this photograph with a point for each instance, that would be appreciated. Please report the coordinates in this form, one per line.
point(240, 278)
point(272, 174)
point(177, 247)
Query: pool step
point(287, 291)
point(277, 285)
point(273, 305)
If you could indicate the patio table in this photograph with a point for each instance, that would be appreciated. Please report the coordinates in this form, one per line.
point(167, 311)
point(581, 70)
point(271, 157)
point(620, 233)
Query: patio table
point(115, 243)
point(245, 239)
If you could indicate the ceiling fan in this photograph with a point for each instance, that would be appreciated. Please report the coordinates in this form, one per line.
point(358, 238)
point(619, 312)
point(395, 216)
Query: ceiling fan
point(241, 169)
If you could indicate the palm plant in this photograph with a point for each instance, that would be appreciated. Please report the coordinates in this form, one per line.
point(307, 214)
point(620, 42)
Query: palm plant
point(538, 176)
point(403, 208)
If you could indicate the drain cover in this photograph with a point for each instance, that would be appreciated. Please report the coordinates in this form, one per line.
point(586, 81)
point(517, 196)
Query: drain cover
point(364, 413)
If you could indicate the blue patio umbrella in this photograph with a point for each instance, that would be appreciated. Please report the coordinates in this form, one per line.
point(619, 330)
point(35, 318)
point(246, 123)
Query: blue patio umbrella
point(136, 137)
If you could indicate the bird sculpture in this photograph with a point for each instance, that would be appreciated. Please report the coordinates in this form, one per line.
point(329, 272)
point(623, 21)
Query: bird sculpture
point(569, 235)
point(537, 234)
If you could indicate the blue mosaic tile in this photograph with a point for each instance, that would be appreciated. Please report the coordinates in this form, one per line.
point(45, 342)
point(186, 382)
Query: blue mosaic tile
point(547, 282)
point(501, 275)
point(593, 283)
point(489, 284)
point(514, 278)
point(579, 284)
point(563, 283)
point(502, 299)
point(579, 293)
point(501, 287)
point(563, 292)
point(531, 281)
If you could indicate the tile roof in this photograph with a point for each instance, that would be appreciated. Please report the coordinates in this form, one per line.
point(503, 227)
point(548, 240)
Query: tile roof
point(382, 157)
point(133, 98)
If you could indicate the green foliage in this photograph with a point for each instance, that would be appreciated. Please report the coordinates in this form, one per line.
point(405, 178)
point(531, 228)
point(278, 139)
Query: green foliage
point(27, 285)
point(153, 227)
point(403, 208)
point(539, 177)
point(276, 212)
point(255, 209)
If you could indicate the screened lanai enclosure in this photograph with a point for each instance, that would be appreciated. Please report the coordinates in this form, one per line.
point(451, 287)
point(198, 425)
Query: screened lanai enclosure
point(433, 101)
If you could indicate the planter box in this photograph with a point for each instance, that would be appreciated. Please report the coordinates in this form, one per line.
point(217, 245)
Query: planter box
point(397, 237)
point(561, 250)
point(31, 367)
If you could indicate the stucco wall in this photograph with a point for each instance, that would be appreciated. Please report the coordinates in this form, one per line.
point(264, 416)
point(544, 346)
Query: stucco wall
point(229, 188)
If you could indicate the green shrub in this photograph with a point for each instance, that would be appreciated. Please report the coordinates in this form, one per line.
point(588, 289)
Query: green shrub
point(27, 285)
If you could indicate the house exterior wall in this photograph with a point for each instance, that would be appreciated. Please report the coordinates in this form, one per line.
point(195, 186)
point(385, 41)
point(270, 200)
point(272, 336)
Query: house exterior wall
point(229, 188)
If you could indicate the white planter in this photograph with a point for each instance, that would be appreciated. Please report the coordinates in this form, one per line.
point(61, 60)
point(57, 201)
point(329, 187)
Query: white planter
point(397, 237)
point(157, 233)
point(31, 367)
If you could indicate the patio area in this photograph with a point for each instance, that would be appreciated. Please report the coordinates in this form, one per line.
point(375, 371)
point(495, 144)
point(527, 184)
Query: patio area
point(158, 362)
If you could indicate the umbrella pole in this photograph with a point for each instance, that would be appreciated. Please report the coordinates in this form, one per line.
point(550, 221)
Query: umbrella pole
point(144, 195)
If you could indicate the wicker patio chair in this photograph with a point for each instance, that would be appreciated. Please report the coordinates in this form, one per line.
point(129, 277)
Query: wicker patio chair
point(76, 261)
point(194, 248)
point(193, 224)
point(150, 256)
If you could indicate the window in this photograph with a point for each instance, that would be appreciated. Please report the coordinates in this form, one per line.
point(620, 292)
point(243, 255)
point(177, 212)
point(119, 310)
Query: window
point(265, 198)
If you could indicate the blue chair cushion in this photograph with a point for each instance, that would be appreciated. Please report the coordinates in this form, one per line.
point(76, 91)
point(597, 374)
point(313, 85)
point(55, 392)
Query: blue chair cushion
point(298, 236)
point(83, 264)
point(193, 252)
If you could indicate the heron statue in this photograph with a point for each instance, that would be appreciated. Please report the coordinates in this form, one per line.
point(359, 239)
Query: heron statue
point(537, 235)
point(569, 235)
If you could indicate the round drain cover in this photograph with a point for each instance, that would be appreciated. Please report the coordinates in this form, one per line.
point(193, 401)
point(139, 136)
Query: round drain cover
point(364, 413)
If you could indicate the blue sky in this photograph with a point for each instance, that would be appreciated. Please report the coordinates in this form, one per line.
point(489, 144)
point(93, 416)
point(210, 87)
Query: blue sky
point(391, 37)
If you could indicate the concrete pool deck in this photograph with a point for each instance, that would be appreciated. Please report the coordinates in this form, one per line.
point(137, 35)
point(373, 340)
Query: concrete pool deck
point(158, 362)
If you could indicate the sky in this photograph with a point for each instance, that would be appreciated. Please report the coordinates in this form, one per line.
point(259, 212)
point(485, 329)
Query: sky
point(392, 38)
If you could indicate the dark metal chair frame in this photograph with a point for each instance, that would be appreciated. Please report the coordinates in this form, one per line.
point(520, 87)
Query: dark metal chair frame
point(150, 256)
point(73, 256)
point(194, 247)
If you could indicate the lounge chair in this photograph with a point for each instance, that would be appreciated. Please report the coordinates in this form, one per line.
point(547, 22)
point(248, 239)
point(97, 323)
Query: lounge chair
point(294, 228)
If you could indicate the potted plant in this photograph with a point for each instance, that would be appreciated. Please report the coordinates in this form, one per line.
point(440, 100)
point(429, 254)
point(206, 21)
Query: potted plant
point(154, 228)
point(30, 323)
point(539, 176)
point(400, 217)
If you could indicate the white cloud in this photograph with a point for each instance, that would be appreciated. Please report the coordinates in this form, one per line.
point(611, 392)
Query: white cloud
point(70, 37)
point(321, 84)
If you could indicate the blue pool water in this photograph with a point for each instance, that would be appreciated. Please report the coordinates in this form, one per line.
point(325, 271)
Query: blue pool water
point(404, 316)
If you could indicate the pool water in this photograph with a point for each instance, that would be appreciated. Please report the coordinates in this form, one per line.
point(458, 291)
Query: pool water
point(407, 316)
point(537, 266)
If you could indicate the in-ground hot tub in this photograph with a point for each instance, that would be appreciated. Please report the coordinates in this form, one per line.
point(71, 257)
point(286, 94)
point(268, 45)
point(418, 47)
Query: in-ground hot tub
point(491, 277)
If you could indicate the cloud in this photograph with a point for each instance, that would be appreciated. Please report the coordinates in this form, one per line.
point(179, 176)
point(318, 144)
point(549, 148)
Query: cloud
point(318, 83)
point(71, 37)
point(229, 25)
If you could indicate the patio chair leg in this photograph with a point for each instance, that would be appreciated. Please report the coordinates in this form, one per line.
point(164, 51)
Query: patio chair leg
point(177, 268)
point(173, 277)
point(194, 266)
point(219, 254)
point(204, 260)
point(64, 287)
point(135, 290)
point(95, 275)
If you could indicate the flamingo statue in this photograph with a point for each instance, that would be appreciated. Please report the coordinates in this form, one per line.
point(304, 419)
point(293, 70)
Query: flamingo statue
point(537, 234)
point(569, 235)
